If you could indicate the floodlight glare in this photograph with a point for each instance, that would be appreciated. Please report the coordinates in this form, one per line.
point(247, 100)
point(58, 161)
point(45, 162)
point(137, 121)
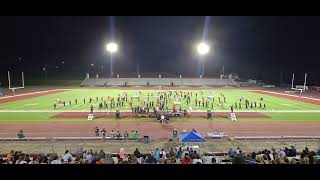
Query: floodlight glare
point(112, 47)
point(203, 48)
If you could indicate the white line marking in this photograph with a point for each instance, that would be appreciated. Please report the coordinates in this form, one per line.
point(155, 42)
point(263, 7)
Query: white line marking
point(286, 95)
point(38, 92)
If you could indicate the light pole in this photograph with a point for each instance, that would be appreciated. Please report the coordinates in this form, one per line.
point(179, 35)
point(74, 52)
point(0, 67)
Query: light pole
point(202, 50)
point(111, 47)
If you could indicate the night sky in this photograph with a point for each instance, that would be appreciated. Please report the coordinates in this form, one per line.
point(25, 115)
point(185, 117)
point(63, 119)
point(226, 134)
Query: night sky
point(256, 47)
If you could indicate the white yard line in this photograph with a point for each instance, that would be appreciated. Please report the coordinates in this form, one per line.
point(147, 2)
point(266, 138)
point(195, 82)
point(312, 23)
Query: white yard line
point(38, 92)
point(286, 94)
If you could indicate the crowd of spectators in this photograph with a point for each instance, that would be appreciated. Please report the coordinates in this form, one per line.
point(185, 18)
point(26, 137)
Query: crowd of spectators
point(160, 156)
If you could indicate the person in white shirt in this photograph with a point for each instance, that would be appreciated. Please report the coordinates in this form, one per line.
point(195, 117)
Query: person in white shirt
point(21, 160)
point(55, 160)
point(89, 157)
point(164, 154)
point(66, 156)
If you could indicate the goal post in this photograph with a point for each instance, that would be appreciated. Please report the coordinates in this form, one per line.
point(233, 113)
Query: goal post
point(12, 88)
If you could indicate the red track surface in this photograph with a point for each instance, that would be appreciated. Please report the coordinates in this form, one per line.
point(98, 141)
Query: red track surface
point(156, 130)
point(130, 115)
point(27, 96)
point(310, 101)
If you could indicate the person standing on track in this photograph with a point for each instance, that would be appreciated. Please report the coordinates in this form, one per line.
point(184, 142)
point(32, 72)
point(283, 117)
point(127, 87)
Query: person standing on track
point(103, 131)
point(97, 131)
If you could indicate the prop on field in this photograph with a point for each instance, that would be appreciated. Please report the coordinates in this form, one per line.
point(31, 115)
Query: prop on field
point(59, 101)
point(215, 135)
point(90, 117)
point(233, 117)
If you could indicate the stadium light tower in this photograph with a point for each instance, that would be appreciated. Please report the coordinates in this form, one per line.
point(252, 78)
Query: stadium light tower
point(203, 49)
point(111, 47)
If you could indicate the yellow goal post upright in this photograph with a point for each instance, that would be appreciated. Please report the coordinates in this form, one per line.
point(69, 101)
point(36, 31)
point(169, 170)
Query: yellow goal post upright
point(15, 88)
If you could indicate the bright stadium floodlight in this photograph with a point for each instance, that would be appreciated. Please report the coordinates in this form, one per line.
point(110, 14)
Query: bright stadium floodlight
point(111, 47)
point(203, 48)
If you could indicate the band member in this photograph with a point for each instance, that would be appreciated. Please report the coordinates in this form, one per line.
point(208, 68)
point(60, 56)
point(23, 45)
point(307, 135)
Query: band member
point(54, 105)
point(76, 101)
point(231, 108)
point(91, 109)
point(64, 103)
point(260, 105)
point(264, 106)
point(84, 100)
point(70, 103)
point(255, 104)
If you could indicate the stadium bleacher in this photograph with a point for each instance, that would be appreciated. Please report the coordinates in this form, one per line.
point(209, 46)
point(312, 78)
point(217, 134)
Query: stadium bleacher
point(1, 92)
point(158, 82)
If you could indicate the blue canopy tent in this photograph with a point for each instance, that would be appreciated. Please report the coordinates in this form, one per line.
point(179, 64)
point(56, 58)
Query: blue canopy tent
point(191, 137)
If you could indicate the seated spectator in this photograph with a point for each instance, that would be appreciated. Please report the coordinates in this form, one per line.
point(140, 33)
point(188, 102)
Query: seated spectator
point(282, 154)
point(163, 154)
point(137, 153)
point(213, 160)
point(55, 160)
point(277, 160)
point(80, 152)
point(20, 134)
point(238, 160)
point(230, 153)
point(179, 154)
point(186, 159)
point(21, 160)
point(150, 159)
point(172, 160)
point(122, 154)
point(102, 154)
point(98, 160)
point(197, 160)
point(10, 155)
point(133, 159)
point(77, 160)
point(294, 151)
point(171, 153)
point(157, 154)
point(66, 156)
point(286, 160)
point(89, 157)
point(109, 160)
point(293, 161)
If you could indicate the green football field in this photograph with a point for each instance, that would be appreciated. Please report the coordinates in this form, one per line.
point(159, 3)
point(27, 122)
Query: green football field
point(42, 107)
